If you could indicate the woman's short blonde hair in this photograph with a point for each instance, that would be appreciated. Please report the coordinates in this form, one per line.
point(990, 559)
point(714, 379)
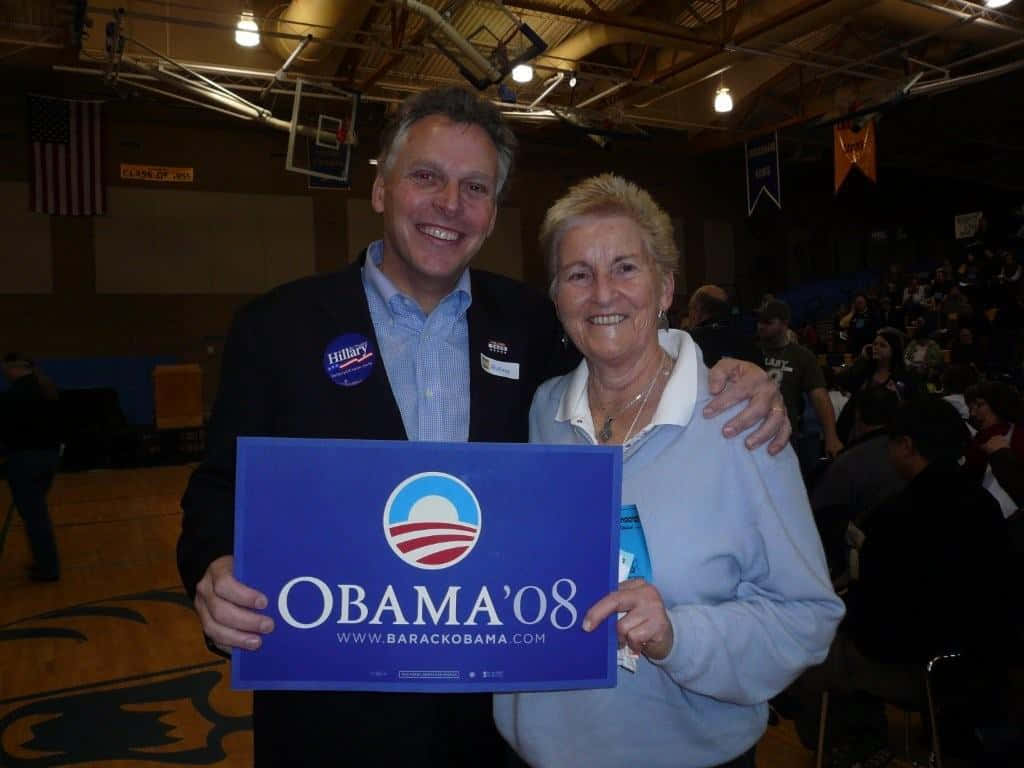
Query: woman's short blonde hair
point(609, 195)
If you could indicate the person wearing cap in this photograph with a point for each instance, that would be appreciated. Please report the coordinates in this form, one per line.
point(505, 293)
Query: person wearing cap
point(30, 431)
point(796, 371)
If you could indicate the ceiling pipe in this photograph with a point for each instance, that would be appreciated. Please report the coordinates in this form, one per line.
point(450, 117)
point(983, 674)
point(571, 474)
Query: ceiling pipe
point(319, 18)
point(215, 96)
point(452, 34)
point(596, 36)
point(938, 86)
point(845, 69)
point(794, 21)
point(684, 87)
point(287, 39)
point(747, 34)
point(986, 54)
point(279, 75)
point(598, 96)
point(637, 24)
point(431, 15)
point(551, 86)
point(990, 16)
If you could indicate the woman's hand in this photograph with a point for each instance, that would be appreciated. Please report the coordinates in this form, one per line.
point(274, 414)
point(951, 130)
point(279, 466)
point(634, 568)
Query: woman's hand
point(645, 627)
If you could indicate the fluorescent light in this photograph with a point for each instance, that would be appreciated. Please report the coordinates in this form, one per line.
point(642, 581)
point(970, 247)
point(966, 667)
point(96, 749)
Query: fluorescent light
point(247, 34)
point(522, 73)
point(723, 101)
point(997, 3)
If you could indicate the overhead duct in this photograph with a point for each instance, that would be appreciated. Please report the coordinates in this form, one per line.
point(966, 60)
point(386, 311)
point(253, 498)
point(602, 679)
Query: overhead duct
point(593, 37)
point(336, 19)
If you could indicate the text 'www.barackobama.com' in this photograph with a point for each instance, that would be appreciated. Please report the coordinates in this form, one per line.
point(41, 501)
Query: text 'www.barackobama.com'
point(441, 638)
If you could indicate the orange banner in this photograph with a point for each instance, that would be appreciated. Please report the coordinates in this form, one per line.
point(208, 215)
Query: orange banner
point(855, 148)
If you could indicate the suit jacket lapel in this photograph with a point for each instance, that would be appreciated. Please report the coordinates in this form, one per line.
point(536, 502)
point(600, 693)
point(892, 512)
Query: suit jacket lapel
point(344, 300)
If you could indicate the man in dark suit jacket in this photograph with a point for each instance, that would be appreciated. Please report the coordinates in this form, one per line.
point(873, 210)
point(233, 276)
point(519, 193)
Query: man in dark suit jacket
point(457, 355)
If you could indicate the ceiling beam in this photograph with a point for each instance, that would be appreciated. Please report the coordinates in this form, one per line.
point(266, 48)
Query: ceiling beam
point(637, 23)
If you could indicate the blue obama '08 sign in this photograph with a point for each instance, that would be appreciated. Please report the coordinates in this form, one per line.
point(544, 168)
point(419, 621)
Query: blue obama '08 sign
point(427, 566)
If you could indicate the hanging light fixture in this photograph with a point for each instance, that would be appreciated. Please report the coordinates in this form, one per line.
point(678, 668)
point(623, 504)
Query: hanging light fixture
point(247, 34)
point(572, 79)
point(723, 100)
point(522, 73)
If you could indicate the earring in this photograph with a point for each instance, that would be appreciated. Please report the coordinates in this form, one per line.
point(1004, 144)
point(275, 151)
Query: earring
point(565, 341)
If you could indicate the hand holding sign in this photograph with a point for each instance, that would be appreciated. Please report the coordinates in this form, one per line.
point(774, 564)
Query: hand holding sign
point(228, 609)
point(645, 628)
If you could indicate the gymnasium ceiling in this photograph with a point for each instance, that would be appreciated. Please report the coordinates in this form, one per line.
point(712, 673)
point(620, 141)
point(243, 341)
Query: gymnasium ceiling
point(640, 66)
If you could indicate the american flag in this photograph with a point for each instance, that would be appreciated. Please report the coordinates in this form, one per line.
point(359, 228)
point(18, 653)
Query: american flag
point(65, 146)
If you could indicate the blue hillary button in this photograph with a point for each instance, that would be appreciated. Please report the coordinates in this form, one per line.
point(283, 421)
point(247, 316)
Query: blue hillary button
point(349, 359)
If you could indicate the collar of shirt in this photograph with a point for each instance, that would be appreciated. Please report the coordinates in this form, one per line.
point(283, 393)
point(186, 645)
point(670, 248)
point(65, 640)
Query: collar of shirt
point(677, 401)
point(401, 307)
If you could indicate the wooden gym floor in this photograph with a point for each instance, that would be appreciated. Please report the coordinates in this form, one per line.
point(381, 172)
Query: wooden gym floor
point(107, 667)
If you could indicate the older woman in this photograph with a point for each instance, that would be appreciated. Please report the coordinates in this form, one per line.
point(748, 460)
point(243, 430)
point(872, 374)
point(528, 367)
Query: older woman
point(738, 601)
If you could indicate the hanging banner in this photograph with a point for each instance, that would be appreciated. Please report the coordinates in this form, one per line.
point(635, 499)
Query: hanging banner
point(763, 171)
point(855, 148)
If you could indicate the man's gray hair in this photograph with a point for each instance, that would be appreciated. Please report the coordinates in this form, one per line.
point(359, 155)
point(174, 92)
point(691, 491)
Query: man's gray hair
point(460, 106)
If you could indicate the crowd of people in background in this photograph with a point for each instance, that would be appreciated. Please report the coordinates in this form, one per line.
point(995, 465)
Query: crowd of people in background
point(914, 462)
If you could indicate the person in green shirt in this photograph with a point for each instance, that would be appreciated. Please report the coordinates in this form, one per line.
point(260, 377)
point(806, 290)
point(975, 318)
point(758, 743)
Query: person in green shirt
point(796, 371)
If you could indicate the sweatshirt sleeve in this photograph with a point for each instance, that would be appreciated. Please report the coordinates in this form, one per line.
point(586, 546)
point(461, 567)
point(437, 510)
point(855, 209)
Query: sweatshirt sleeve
point(783, 614)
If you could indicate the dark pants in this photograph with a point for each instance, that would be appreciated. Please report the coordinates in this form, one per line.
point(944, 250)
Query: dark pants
point(30, 475)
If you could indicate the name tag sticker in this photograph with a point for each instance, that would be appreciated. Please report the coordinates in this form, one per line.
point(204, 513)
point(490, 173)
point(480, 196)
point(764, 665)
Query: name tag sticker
point(499, 367)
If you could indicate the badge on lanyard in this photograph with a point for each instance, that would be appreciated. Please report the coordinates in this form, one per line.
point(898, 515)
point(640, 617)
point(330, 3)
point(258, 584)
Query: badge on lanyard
point(634, 563)
point(349, 359)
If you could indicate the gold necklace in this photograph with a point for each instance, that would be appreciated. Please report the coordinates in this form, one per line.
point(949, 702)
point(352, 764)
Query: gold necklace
point(605, 434)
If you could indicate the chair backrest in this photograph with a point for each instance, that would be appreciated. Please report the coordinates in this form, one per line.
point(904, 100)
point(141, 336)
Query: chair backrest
point(178, 396)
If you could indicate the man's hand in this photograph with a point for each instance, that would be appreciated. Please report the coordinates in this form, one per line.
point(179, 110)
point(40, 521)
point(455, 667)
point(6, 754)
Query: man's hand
point(645, 628)
point(228, 608)
point(995, 443)
point(736, 381)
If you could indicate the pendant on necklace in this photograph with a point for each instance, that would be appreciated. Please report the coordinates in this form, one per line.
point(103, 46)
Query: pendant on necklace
point(606, 431)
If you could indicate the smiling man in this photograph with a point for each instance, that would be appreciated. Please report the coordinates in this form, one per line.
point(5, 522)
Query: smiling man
point(406, 343)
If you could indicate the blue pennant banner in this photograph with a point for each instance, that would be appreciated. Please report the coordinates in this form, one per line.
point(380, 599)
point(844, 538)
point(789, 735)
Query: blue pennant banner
point(763, 171)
